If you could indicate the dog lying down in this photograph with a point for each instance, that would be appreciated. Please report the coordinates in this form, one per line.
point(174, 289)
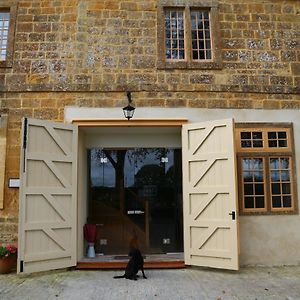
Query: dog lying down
point(136, 263)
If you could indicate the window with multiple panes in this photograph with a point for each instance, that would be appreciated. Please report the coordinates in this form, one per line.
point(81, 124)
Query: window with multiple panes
point(188, 36)
point(8, 11)
point(267, 182)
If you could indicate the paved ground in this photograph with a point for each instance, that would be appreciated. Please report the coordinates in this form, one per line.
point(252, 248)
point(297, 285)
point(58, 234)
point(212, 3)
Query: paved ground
point(280, 283)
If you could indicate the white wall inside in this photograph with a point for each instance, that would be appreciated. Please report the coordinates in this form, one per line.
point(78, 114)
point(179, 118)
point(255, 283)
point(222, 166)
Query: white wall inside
point(265, 240)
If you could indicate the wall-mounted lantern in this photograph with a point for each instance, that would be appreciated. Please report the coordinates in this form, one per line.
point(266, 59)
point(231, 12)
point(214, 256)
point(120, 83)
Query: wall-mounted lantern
point(129, 109)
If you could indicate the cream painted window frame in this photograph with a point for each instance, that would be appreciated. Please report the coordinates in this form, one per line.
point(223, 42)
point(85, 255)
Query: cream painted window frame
point(266, 152)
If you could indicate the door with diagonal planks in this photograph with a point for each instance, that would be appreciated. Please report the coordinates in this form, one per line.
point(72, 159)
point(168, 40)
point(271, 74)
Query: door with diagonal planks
point(48, 196)
point(210, 195)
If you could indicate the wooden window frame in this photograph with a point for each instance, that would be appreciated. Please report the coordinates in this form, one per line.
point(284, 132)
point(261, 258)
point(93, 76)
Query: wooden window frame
point(188, 62)
point(267, 152)
point(10, 6)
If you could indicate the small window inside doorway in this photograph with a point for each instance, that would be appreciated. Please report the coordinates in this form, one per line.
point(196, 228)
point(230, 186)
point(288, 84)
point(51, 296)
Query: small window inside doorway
point(136, 192)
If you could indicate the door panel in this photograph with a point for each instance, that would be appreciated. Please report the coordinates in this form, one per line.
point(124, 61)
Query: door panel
point(209, 195)
point(48, 196)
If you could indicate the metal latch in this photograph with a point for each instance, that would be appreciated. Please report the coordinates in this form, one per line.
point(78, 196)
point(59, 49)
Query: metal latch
point(232, 214)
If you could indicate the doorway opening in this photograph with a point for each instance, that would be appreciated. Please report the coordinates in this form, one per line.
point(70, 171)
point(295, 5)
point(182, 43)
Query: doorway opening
point(136, 192)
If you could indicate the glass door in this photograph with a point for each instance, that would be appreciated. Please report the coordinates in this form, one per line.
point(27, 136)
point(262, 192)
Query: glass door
point(136, 193)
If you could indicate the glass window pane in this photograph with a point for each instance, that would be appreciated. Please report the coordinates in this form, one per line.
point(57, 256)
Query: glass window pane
point(249, 202)
point(202, 55)
point(207, 34)
point(201, 35)
point(181, 34)
point(287, 201)
point(168, 34)
point(208, 54)
point(246, 144)
point(181, 44)
point(257, 135)
point(258, 163)
point(282, 135)
point(282, 143)
point(205, 14)
point(276, 201)
point(285, 176)
point(286, 188)
point(207, 44)
point(201, 44)
point(259, 202)
point(181, 54)
point(258, 144)
point(206, 24)
point(246, 135)
point(194, 34)
point(275, 176)
point(259, 189)
point(276, 189)
point(274, 163)
point(258, 176)
point(195, 55)
point(273, 144)
point(248, 189)
point(247, 164)
point(194, 44)
point(285, 163)
point(272, 135)
point(248, 176)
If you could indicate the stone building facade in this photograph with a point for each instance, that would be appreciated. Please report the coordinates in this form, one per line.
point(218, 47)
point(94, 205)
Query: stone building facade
point(89, 53)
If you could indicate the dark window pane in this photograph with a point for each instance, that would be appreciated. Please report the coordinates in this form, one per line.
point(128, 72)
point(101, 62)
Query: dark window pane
point(274, 163)
point(258, 176)
point(195, 55)
point(208, 54)
point(181, 54)
point(247, 164)
point(246, 144)
point(249, 202)
point(275, 176)
point(206, 25)
point(287, 201)
point(259, 189)
point(258, 163)
point(282, 143)
point(258, 144)
point(194, 34)
point(248, 189)
point(200, 25)
point(173, 14)
point(247, 176)
point(193, 15)
point(180, 15)
point(181, 44)
point(276, 201)
point(273, 144)
point(174, 34)
point(180, 24)
point(168, 44)
point(193, 24)
point(259, 202)
point(257, 135)
point(174, 54)
point(207, 34)
point(272, 135)
point(207, 44)
point(202, 56)
point(285, 176)
point(168, 34)
point(205, 14)
point(285, 163)
point(181, 34)
point(286, 188)
point(282, 135)
point(168, 54)
point(194, 44)
point(276, 189)
point(201, 34)
point(246, 135)
point(175, 44)
point(201, 44)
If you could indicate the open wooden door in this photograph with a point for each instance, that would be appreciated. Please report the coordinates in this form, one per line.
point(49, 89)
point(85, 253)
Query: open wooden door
point(210, 195)
point(48, 196)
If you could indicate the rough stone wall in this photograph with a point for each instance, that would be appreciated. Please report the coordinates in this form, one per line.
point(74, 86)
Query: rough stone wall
point(89, 52)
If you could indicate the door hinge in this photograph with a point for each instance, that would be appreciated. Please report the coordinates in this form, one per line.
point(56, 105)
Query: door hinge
point(25, 143)
point(21, 266)
point(232, 214)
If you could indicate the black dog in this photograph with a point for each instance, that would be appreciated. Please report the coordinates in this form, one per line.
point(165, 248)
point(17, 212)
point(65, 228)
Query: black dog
point(135, 264)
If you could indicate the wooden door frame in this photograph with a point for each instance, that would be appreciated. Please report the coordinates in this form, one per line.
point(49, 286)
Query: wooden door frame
point(135, 123)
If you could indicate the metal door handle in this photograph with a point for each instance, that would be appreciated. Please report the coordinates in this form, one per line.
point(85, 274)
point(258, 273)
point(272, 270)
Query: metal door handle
point(232, 214)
